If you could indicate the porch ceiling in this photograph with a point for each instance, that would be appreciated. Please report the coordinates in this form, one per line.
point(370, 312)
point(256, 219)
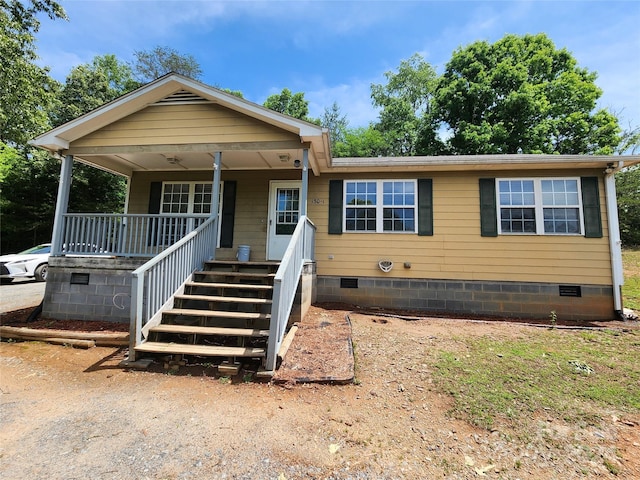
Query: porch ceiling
point(177, 159)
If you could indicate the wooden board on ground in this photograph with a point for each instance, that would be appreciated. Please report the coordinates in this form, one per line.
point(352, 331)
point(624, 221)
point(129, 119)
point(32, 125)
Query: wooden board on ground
point(321, 352)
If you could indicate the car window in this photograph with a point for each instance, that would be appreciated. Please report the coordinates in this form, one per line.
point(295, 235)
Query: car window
point(37, 250)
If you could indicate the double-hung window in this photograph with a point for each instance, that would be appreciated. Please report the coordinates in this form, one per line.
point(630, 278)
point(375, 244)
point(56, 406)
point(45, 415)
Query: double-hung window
point(380, 206)
point(188, 198)
point(540, 206)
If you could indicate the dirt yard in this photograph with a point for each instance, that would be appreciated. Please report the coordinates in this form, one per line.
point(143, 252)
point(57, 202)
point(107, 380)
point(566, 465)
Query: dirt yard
point(75, 414)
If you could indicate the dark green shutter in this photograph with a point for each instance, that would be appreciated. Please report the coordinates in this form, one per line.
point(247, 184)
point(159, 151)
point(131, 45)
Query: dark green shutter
point(591, 207)
point(228, 214)
point(425, 207)
point(155, 197)
point(488, 208)
point(335, 207)
point(155, 200)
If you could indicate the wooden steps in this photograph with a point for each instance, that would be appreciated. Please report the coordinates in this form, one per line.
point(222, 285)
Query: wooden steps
point(225, 311)
point(231, 286)
point(197, 330)
point(217, 298)
point(200, 350)
point(216, 314)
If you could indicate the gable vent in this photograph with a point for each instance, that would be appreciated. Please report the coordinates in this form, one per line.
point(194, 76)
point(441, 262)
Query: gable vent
point(182, 96)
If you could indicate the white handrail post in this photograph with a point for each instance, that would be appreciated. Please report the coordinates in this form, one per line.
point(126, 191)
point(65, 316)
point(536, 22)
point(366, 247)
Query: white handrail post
point(135, 327)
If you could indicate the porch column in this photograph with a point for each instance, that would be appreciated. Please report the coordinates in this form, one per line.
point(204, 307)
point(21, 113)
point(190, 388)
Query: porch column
point(215, 195)
point(305, 182)
point(62, 204)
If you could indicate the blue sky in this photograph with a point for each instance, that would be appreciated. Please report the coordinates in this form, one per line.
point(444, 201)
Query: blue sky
point(334, 50)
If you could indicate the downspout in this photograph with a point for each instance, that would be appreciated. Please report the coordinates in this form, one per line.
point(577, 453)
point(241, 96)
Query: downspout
point(615, 244)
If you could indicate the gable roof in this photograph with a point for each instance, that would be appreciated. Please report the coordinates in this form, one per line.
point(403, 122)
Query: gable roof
point(176, 89)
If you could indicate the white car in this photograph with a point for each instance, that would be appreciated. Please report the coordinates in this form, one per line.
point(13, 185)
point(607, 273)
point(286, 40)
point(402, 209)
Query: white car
point(32, 263)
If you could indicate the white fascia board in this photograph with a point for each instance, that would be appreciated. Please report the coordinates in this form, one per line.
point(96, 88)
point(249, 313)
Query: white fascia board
point(542, 161)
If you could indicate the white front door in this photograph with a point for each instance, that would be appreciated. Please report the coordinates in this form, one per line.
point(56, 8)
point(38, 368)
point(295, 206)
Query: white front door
point(284, 211)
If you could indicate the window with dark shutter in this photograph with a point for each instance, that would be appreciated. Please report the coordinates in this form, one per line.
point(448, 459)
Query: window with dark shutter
point(488, 213)
point(591, 207)
point(425, 207)
point(335, 206)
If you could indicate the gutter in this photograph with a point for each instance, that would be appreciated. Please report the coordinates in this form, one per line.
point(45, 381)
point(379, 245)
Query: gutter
point(615, 244)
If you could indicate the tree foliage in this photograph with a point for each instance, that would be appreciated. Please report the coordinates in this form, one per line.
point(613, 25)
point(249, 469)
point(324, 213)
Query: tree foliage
point(26, 90)
point(28, 194)
point(89, 86)
point(361, 142)
point(522, 94)
point(292, 104)
point(628, 194)
point(27, 197)
point(629, 142)
point(154, 63)
point(405, 101)
point(336, 122)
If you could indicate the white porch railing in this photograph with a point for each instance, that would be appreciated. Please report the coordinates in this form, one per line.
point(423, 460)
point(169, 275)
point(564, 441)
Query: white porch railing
point(155, 282)
point(127, 235)
point(301, 248)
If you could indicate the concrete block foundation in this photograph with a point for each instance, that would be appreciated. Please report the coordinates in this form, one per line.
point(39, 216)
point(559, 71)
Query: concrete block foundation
point(488, 298)
point(89, 288)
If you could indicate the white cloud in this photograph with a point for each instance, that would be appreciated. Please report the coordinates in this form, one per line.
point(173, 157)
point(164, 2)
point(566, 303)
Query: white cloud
point(354, 100)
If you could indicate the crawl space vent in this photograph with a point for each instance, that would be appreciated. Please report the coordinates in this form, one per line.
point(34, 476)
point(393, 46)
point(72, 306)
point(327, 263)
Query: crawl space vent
point(570, 291)
point(348, 283)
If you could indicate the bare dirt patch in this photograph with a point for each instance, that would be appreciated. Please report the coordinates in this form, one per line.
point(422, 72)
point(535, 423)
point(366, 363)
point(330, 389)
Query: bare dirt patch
point(69, 413)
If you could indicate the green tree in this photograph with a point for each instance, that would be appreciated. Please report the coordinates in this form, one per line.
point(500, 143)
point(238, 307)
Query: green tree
point(27, 92)
point(91, 85)
point(361, 142)
point(337, 123)
point(88, 87)
point(628, 194)
point(405, 118)
point(292, 104)
point(629, 141)
point(28, 194)
point(522, 94)
point(154, 63)
point(27, 197)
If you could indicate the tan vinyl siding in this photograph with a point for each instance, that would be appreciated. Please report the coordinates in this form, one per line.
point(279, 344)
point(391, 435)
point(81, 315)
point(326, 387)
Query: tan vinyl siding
point(183, 124)
point(456, 251)
point(252, 201)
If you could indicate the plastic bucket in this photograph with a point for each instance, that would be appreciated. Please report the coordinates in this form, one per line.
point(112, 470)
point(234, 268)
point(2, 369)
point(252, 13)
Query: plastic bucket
point(244, 251)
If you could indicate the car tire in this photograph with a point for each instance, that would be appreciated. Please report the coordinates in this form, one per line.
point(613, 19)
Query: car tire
point(41, 272)
point(6, 280)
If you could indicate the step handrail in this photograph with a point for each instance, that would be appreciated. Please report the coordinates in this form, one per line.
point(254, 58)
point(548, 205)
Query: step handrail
point(154, 283)
point(285, 284)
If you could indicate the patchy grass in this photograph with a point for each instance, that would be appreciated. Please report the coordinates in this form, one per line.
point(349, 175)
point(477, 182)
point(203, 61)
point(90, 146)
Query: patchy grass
point(631, 287)
point(570, 375)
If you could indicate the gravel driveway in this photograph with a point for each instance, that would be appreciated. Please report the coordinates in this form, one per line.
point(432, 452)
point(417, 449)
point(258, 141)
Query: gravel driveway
point(75, 414)
point(21, 293)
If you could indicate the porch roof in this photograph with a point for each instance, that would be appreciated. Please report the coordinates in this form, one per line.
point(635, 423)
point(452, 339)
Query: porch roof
point(175, 123)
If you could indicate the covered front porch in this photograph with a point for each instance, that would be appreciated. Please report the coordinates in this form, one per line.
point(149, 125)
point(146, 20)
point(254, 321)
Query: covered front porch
point(209, 174)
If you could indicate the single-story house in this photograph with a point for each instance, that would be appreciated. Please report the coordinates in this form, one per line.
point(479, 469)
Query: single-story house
point(238, 217)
